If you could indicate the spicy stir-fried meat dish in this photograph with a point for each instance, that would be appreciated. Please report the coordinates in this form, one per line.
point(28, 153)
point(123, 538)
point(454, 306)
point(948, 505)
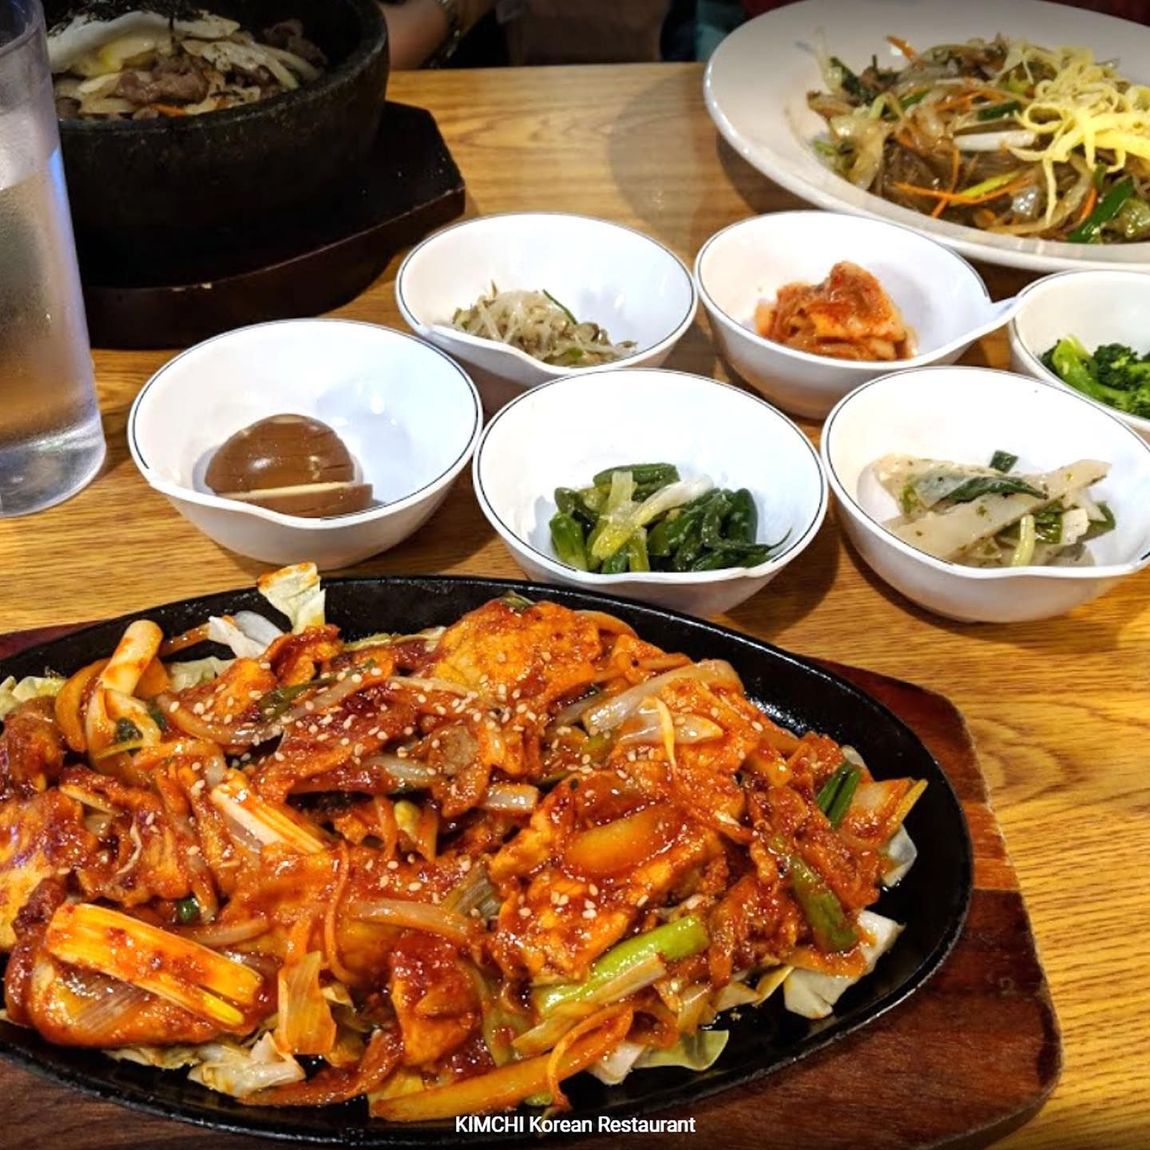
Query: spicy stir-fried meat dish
point(143, 65)
point(446, 870)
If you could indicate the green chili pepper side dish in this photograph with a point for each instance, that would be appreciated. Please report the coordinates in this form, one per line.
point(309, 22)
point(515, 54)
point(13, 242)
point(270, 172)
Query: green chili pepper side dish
point(641, 517)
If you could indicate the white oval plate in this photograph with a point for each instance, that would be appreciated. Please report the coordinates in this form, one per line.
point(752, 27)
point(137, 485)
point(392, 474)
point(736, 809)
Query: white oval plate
point(757, 82)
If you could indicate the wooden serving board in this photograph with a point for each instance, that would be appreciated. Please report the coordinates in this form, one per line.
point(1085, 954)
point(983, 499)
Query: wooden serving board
point(968, 1058)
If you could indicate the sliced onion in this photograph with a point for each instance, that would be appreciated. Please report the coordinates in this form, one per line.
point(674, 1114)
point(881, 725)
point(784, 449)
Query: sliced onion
point(609, 713)
point(212, 730)
point(405, 773)
point(512, 798)
point(607, 622)
point(475, 892)
point(572, 713)
point(225, 934)
point(349, 683)
point(423, 916)
point(117, 1004)
point(227, 631)
point(645, 728)
point(429, 636)
point(416, 683)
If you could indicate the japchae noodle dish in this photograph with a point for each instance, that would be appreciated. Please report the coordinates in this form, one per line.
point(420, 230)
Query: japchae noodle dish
point(142, 65)
point(1000, 135)
point(447, 870)
point(537, 323)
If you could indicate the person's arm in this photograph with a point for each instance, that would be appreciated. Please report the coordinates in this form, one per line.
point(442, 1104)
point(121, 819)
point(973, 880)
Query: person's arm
point(417, 29)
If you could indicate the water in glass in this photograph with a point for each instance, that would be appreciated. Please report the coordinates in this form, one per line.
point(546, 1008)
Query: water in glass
point(51, 443)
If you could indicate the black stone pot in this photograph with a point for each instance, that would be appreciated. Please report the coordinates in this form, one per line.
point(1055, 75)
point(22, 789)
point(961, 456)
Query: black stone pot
point(197, 181)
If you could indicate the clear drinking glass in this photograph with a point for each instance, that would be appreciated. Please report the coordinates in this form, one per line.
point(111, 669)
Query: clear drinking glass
point(51, 443)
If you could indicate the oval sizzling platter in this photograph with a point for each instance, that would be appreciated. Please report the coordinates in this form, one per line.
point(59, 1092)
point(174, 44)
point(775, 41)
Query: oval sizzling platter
point(931, 901)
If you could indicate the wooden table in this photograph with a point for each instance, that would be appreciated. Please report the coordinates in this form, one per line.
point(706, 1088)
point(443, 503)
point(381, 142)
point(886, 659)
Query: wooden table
point(1060, 710)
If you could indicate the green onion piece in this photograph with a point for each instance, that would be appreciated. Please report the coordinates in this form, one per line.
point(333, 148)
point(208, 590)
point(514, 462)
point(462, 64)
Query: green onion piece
point(998, 111)
point(278, 699)
point(833, 931)
point(834, 797)
point(1002, 461)
point(673, 940)
point(1101, 526)
point(187, 910)
point(1104, 211)
point(990, 185)
point(1048, 523)
point(1027, 538)
point(561, 307)
point(637, 557)
point(642, 473)
point(127, 732)
point(158, 717)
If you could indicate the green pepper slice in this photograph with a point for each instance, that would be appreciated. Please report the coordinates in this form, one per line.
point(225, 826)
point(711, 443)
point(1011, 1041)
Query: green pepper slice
point(568, 540)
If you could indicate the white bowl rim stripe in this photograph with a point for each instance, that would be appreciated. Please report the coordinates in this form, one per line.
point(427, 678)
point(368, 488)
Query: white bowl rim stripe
point(921, 359)
point(675, 334)
point(658, 578)
point(1109, 571)
point(203, 499)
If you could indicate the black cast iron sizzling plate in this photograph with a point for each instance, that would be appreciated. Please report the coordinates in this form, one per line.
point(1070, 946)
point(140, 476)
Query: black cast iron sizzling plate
point(932, 900)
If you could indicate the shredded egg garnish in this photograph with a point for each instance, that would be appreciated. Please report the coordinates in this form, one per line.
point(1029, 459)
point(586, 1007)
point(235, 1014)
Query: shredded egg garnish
point(1085, 104)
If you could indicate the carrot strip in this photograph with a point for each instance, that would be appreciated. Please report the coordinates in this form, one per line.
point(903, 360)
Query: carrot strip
point(903, 47)
point(955, 160)
point(555, 1059)
point(960, 197)
point(330, 938)
point(505, 1086)
point(1088, 207)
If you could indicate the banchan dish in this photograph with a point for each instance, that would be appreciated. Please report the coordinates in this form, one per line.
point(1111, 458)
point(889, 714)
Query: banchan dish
point(932, 900)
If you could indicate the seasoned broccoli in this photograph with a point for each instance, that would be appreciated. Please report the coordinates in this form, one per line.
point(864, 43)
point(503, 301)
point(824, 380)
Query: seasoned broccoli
point(1115, 374)
point(1121, 367)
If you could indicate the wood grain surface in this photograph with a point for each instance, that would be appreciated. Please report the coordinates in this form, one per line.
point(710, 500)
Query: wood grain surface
point(1058, 710)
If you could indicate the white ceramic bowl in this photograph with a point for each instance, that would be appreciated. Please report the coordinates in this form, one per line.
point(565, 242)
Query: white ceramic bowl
point(965, 414)
point(1095, 306)
point(940, 295)
point(561, 433)
point(626, 282)
point(409, 416)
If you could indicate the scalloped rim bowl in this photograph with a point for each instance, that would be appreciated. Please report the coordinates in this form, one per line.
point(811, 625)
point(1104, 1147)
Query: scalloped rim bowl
point(1097, 307)
point(965, 414)
point(625, 281)
point(409, 415)
point(941, 297)
point(563, 432)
